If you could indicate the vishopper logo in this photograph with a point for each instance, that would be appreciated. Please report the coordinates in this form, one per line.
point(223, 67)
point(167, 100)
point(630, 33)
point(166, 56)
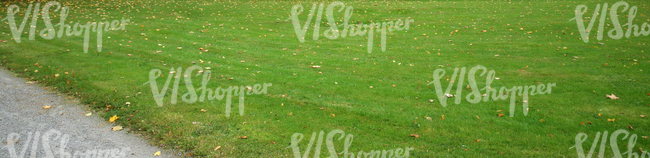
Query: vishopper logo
point(205, 93)
point(615, 33)
point(44, 142)
point(613, 143)
point(475, 94)
point(346, 153)
point(49, 31)
point(333, 31)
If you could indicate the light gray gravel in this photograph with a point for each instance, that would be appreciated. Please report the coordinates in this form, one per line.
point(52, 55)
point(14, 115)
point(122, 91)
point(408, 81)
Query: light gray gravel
point(62, 127)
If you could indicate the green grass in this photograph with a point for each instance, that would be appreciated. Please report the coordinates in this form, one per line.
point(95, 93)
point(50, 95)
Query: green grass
point(380, 118)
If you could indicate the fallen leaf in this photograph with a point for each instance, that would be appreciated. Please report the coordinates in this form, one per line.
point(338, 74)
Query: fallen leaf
point(613, 97)
point(243, 137)
point(112, 119)
point(333, 115)
point(646, 137)
point(203, 110)
point(443, 117)
point(611, 120)
point(477, 140)
point(642, 116)
point(218, 147)
point(500, 114)
point(88, 114)
point(156, 154)
point(47, 107)
point(542, 120)
point(628, 126)
point(117, 128)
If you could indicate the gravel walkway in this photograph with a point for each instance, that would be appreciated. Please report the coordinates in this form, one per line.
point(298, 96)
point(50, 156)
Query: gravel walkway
point(64, 126)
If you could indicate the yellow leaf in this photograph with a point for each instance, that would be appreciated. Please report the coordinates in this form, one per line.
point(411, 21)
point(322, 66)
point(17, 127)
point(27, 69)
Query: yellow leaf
point(333, 115)
point(112, 119)
point(88, 114)
point(156, 154)
point(117, 128)
point(47, 107)
point(203, 110)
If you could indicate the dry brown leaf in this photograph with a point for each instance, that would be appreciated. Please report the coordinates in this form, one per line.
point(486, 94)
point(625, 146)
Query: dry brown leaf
point(218, 147)
point(613, 97)
point(47, 107)
point(117, 128)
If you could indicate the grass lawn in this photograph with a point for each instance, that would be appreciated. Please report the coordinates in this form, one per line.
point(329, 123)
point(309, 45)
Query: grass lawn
point(381, 98)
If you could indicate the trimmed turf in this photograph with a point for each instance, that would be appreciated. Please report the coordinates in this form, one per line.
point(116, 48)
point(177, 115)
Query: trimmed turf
point(254, 43)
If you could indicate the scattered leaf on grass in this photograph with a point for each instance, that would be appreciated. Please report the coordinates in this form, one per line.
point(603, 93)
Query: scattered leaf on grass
point(203, 110)
point(243, 137)
point(112, 119)
point(613, 97)
point(611, 120)
point(628, 126)
point(500, 114)
point(642, 116)
point(218, 147)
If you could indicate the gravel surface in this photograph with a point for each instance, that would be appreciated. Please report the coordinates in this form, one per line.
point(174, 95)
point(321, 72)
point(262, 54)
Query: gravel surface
point(64, 126)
